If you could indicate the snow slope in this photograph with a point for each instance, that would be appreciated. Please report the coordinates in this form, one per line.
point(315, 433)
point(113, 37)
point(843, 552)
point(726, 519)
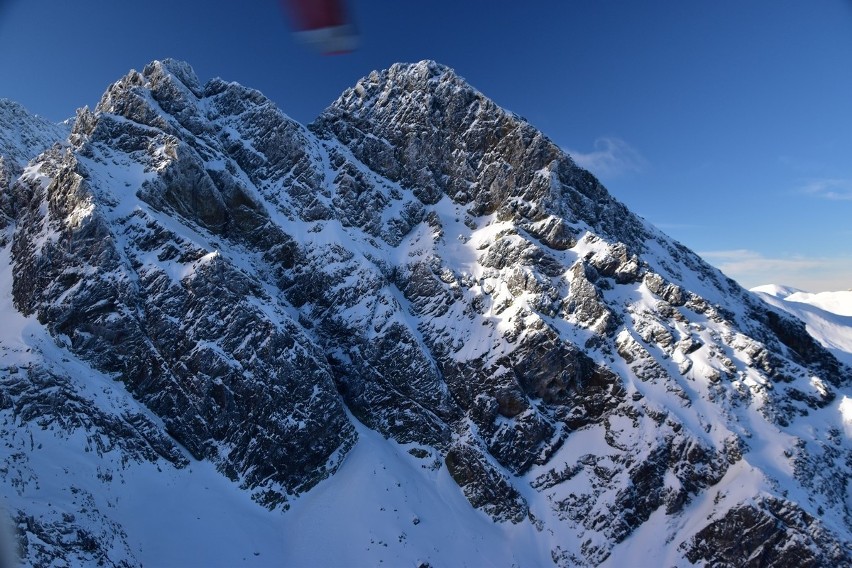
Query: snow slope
point(827, 315)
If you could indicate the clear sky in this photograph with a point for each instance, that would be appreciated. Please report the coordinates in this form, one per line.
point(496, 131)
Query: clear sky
point(727, 123)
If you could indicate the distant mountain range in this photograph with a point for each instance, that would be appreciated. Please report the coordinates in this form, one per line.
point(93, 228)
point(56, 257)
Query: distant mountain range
point(413, 332)
point(827, 315)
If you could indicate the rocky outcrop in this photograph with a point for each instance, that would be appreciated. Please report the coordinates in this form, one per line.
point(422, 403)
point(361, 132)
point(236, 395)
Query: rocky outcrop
point(484, 486)
point(771, 532)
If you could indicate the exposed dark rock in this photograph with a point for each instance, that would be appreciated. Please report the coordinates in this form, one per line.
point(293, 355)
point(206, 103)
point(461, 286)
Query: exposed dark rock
point(671, 293)
point(484, 486)
point(772, 532)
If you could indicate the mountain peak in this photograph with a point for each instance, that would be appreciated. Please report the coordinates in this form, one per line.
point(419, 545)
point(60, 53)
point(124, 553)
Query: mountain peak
point(10, 107)
point(174, 68)
point(423, 125)
point(24, 135)
point(170, 83)
point(426, 69)
point(421, 80)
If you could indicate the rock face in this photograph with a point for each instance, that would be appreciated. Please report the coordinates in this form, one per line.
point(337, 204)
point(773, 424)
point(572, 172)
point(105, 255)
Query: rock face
point(424, 262)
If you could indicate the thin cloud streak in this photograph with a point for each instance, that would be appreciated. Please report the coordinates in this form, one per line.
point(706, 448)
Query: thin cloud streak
point(612, 157)
point(814, 274)
point(833, 189)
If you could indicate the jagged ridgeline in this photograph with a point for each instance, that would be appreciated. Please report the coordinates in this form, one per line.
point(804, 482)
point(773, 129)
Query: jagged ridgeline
point(425, 263)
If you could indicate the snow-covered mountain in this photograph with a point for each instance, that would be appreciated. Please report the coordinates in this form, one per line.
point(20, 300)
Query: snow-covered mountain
point(412, 332)
point(24, 135)
point(827, 315)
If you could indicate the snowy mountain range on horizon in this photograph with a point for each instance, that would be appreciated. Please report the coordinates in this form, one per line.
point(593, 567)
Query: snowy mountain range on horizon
point(827, 315)
point(413, 332)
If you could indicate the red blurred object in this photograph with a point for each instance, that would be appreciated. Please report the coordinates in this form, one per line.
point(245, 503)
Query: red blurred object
point(323, 24)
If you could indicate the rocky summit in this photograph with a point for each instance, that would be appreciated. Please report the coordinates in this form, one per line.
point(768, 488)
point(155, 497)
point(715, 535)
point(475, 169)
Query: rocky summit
point(199, 291)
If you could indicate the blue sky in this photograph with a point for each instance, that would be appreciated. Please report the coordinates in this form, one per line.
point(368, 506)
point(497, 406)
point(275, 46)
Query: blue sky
point(727, 123)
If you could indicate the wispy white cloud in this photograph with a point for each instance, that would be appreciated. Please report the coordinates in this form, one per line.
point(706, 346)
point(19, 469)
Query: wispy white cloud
point(611, 157)
point(834, 189)
point(815, 274)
